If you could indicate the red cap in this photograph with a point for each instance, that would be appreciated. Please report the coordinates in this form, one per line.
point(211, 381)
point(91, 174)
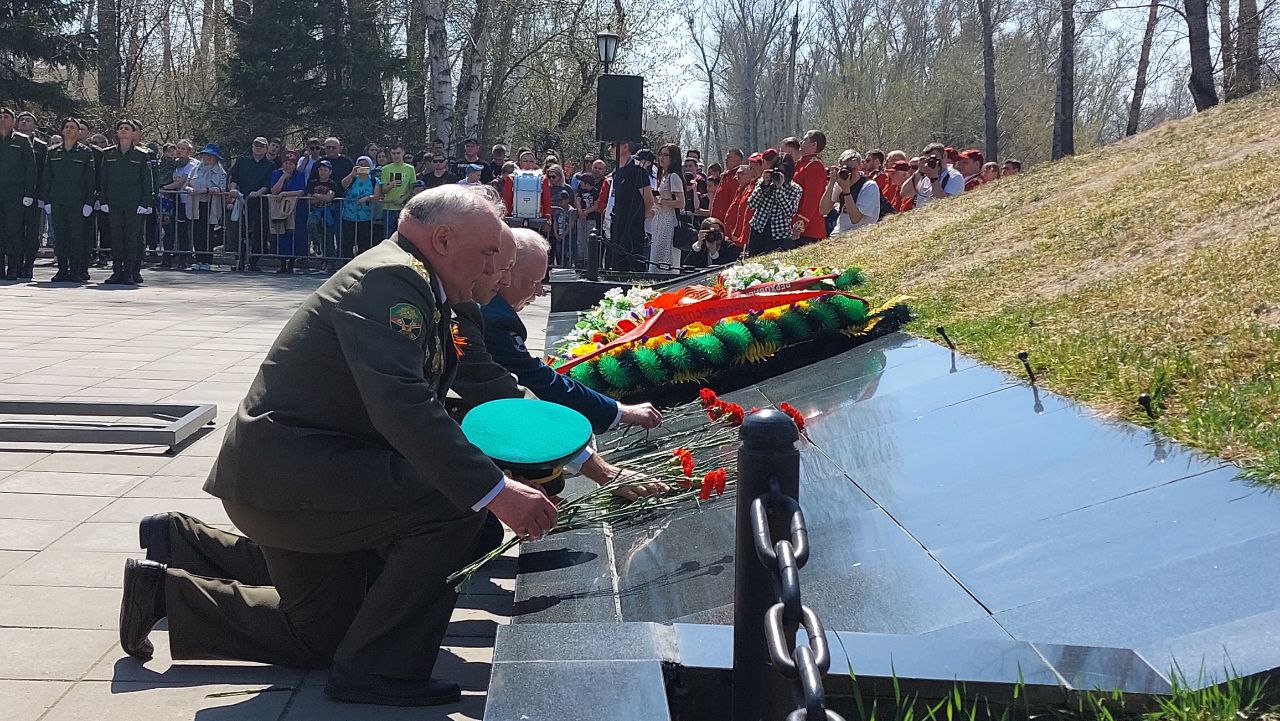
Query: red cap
point(756, 158)
point(951, 153)
point(972, 154)
point(770, 154)
point(900, 165)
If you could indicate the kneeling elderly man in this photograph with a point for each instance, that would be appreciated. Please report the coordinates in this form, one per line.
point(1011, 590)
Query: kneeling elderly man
point(342, 464)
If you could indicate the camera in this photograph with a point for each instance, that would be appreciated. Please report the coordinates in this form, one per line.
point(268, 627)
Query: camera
point(713, 236)
point(777, 178)
point(932, 162)
point(845, 173)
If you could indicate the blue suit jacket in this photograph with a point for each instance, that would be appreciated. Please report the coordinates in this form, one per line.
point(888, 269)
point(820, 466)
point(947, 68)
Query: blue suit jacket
point(504, 334)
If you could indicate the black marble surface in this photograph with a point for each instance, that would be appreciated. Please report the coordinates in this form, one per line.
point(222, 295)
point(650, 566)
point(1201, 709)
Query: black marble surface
point(949, 502)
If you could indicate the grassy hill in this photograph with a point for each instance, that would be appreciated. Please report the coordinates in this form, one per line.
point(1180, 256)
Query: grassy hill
point(1151, 265)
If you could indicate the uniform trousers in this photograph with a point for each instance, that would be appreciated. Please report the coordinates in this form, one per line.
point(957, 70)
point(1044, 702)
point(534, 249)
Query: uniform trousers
point(321, 610)
point(126, 231)
point(31, 220)
point(11, 213)
point(66, 222)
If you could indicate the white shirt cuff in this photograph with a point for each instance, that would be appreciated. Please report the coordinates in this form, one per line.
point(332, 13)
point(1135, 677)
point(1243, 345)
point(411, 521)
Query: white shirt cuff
point(480, 504)
point(575, 464)
point(617, 417)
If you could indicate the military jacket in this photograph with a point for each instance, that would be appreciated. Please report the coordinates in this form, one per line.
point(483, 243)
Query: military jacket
point(125, 177)
point(18, 164)
point(346, 412)
point(69, 176)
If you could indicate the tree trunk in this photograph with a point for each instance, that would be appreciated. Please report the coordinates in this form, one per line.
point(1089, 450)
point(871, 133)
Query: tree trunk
point(501, 59)
point(206, 30)
point(220, 28)
point(1226, 48)
point(1064, 108)
point(1203, 91)
point(1248, 75)
point(415, 72)
point(1144, 61)
point(474, 51)
point(989, 108)
point(788, 120)
point(588, 72)
point(441, 77)
point(109, 53)
point(516, 77)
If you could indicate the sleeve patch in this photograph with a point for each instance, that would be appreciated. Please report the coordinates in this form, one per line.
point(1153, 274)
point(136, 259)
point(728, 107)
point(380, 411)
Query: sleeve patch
point(407, 319)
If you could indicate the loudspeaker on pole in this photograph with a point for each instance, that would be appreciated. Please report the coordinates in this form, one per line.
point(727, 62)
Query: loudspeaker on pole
point(619, 107)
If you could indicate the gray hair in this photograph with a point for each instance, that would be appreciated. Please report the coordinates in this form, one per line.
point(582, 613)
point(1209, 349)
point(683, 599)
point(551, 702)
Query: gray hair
point(530, 244)
point(449, 204)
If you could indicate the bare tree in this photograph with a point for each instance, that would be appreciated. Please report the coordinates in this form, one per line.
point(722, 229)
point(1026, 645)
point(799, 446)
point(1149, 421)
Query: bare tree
point(990, 108)
point(475, 48)
point(1144, 61)
point(1064, 108)
point(109, 59)
point(1226, 48)
point(1248, 78)
point(415, 70)
point(709, 64)
point(441, 72)
point(1201, 84)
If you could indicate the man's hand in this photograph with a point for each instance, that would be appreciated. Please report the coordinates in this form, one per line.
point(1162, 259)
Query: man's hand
point(86, 210)
point(526, 511)
point(630, 485)
point(643, 415)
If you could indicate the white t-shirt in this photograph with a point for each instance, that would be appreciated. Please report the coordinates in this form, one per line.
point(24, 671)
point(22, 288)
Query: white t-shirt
point(181, 172)
point(952, 182)
point(868, 202)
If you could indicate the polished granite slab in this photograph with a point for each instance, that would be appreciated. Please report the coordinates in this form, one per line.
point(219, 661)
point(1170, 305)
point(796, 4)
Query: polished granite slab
point(950, 502)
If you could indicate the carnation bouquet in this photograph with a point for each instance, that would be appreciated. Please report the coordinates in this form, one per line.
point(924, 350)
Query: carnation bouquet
point(692, 453)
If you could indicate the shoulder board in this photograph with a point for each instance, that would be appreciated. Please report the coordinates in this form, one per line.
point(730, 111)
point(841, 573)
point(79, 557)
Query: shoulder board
point(17, 134)
point(419, 267)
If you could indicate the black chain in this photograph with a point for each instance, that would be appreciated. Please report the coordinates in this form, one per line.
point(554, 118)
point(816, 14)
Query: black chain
point(804, 665)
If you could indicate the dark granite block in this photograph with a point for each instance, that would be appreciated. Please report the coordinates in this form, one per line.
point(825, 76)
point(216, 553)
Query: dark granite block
point(534, 642)
point(577, 691)
point(565, 577)
point(1180, 600)
point(1112, 540)
point(1092, 668)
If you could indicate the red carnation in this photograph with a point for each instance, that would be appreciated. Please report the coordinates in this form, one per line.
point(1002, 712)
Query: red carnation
point(735, 414)
point(707, 397)
point(685, 483)
point(704, 492)
point(795, 415)
point(686, 465)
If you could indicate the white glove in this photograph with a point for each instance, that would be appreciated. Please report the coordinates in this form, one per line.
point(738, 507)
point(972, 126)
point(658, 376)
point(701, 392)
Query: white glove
point(28, 201)
point(104, 208)
point(47, 207)
point(143, 210)
point(87, 210)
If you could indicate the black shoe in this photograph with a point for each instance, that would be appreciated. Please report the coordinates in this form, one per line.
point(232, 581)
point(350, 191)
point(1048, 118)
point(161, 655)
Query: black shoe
point(10, 268)
point(117, 274)
point(84, 272)
point(136, 276)
point(141, 607)
point(27, 268)
point(153, 536)
point(64, 272)
point(365, 688)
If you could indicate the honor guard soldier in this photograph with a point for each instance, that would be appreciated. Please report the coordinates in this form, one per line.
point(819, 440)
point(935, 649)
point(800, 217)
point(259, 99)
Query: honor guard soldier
point(31, 215)
point(127, 198)
point(341, 464)
point(68, 188)
point(17, 192)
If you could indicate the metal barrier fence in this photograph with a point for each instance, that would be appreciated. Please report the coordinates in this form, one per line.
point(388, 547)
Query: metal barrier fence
point(768, 611)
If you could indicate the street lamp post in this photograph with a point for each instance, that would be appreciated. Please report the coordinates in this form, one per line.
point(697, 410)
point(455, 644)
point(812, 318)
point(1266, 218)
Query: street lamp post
point(607, 48)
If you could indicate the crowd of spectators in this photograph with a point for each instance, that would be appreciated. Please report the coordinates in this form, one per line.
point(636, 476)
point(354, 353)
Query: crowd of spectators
point(658, 211)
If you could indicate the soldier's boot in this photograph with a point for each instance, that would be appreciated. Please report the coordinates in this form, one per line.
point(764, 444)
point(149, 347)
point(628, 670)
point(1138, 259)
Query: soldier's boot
point(10, 267)
point(136, 275)
point(117, 273)
point(2, 266)
point(64, 271)
point(27, 267)
point(83, 272)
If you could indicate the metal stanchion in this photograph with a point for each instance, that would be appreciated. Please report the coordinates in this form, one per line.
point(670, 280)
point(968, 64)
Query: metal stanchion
point(767, 609)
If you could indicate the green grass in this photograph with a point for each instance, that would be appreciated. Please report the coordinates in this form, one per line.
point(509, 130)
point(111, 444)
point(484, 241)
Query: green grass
point(1148, 266)
point(1235, 699)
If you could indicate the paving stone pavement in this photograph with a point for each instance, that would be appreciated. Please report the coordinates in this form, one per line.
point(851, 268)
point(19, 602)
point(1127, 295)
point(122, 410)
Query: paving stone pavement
point(68, 513)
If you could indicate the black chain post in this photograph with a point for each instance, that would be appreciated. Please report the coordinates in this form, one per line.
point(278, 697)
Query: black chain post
point(767, 508)
point(595, 249)
point(768, 452)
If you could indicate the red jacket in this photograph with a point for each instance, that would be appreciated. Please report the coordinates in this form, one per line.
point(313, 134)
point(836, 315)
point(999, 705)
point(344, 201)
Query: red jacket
point(725, 196)
point(508, 189)
point(811, 176)
point(602, 200)
point(738, 225)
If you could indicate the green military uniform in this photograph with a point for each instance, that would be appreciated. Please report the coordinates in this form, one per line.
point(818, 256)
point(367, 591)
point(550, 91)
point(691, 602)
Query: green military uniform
point(69, 185)
point(341, 458)
point(17, 184)
point(125, 185)
point(31, 217)
point(203, 550)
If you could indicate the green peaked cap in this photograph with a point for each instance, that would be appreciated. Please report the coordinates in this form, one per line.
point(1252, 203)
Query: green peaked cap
point(525, 434)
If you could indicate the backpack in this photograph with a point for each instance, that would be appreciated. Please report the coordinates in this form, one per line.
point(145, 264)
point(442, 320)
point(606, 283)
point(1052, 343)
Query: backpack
point(886, 208)
point(526, 194)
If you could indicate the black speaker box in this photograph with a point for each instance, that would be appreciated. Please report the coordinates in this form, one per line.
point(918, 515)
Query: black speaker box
point(619, 107)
